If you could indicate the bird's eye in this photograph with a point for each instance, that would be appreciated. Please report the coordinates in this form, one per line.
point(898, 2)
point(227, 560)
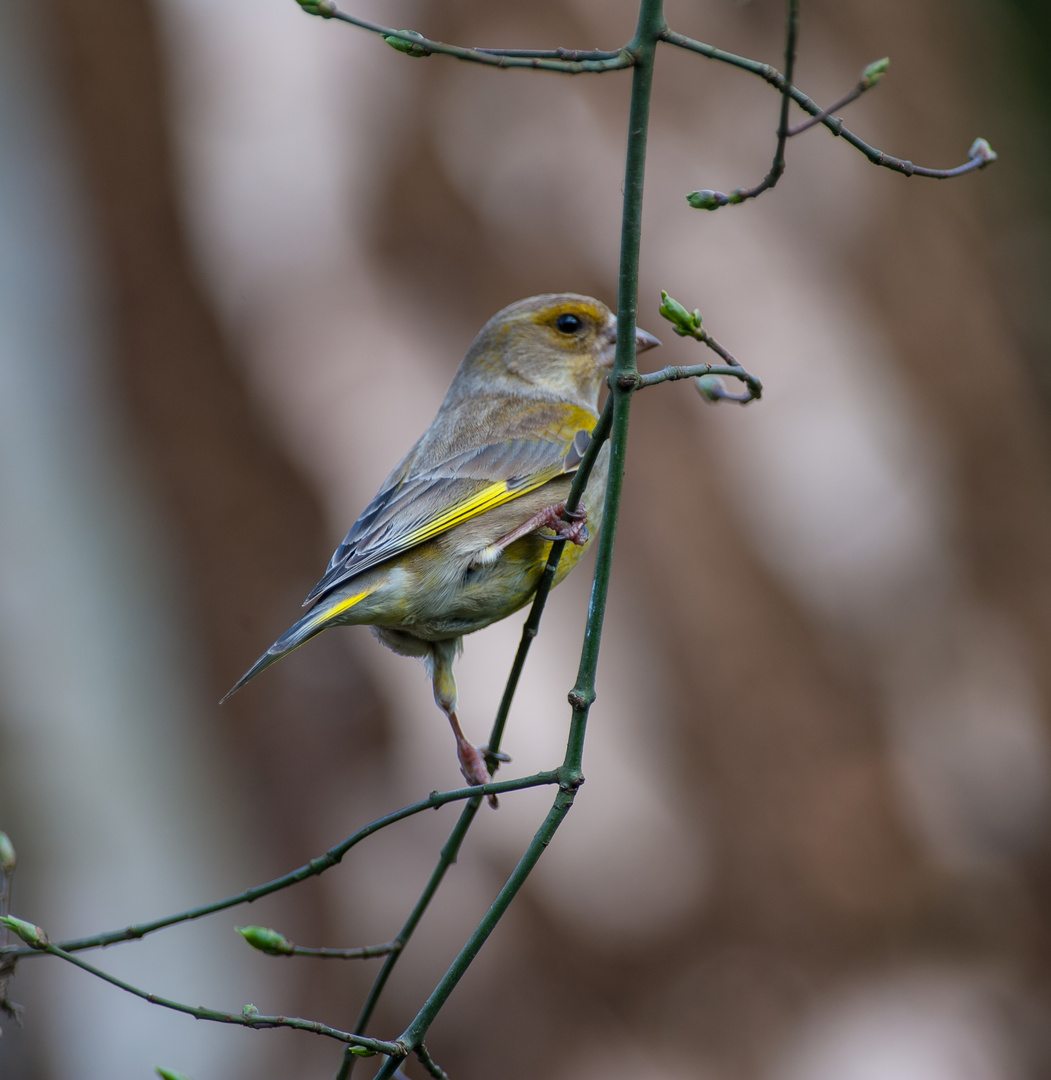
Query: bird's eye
point(568, 324)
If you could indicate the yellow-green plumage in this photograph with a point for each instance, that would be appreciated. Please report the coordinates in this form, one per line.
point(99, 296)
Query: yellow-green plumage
point(425, 563)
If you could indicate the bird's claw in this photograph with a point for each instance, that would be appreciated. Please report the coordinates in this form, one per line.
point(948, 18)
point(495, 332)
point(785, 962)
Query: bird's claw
point(571, 525)
point(473, 768)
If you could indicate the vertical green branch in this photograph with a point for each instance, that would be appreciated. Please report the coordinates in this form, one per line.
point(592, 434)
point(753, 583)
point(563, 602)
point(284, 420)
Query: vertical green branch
point(650, 27)
point(643, 49)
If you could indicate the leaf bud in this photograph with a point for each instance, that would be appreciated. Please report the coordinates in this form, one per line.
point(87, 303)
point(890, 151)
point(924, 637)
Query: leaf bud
point(981, 150)
point(30, 934)
point(7, 854)
point(169, 1074)
point(249, 1011)
point(710, 387)
point(408, 47)
point(874, 72)
point(684, 323)
point(325, 8)
point(266, 940)
point(673, 311)
point(706, 199)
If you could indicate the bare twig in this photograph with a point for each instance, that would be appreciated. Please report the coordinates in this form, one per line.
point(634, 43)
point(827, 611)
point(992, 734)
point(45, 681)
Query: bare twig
point(429, 1063)
point(250, 1017)
point(566, 61)
point(310, 869)
point(712, 200)
point(869, 78)
point(980, 154)
point(275, 944)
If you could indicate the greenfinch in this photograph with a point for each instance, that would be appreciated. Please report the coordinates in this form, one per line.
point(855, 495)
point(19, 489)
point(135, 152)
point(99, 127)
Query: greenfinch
point(460, 531)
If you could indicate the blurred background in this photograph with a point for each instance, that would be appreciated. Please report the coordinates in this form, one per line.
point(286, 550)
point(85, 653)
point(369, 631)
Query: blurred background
point(241, 254)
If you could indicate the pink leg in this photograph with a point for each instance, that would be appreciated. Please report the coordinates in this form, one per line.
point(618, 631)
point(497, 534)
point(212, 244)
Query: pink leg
point(575, 530)
point(472, 761)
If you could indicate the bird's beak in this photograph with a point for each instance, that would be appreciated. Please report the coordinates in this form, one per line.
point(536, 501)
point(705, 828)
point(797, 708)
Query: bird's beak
point(643, 341)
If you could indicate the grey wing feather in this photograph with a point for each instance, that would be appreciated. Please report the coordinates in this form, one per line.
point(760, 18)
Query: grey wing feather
point(405, 506)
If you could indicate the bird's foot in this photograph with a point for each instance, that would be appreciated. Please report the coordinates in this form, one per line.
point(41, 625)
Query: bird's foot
point(575, 529)
point(571, 525)
point(472, 765)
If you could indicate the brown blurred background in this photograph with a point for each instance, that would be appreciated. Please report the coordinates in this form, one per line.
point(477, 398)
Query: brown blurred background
point(241, 254)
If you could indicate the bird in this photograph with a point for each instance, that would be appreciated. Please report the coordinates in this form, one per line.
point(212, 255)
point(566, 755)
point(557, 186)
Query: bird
point(459, 533)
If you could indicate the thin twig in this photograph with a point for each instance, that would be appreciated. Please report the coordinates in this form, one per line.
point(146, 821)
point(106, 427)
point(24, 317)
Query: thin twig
point(310, 869)
point(573, 55)
point(248, 1018)
point(845, 100)
point(696, 371)
point(712, 200)
point(980, 154)
point(870, 77)
point(450, 851)
point(363, 952)
point(429, 1063)
point(596, 62)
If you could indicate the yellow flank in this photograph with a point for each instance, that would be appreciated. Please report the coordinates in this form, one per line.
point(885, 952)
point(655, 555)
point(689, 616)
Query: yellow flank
point(327, 614)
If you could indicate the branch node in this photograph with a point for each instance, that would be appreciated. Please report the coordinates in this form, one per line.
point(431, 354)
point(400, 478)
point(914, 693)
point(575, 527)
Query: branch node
point(581, 699)
point(570, 779)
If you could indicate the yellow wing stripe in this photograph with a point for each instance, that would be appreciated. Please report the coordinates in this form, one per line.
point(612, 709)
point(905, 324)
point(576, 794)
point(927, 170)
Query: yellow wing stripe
point(487, 499)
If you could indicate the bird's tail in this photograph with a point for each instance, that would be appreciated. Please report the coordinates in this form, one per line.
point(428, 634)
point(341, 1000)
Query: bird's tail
point(319, 618)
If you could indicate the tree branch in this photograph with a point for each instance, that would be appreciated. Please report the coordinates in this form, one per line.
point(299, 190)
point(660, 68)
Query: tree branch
point(566, 61)
point(250, 1017)
point(310, 869)
point(980, 154)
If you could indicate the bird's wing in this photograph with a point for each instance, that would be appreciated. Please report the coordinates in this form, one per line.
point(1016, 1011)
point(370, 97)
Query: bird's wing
point(425, 503)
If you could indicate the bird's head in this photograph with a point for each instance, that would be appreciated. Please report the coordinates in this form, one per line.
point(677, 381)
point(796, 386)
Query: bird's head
point(561, 345)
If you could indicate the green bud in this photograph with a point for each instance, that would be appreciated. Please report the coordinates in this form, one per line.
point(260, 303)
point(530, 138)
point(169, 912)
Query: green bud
point(673, 311)
point(266, 940)
point(874, 72)
point(7, 854)
point(362, 1051)
point(30, 934)
point(684, 323)
point(407, 47)
point(710, 387)
point(983, 151)
point(249, 1011)
point(325, 8)
point(169, 1074)
point(706, 199)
